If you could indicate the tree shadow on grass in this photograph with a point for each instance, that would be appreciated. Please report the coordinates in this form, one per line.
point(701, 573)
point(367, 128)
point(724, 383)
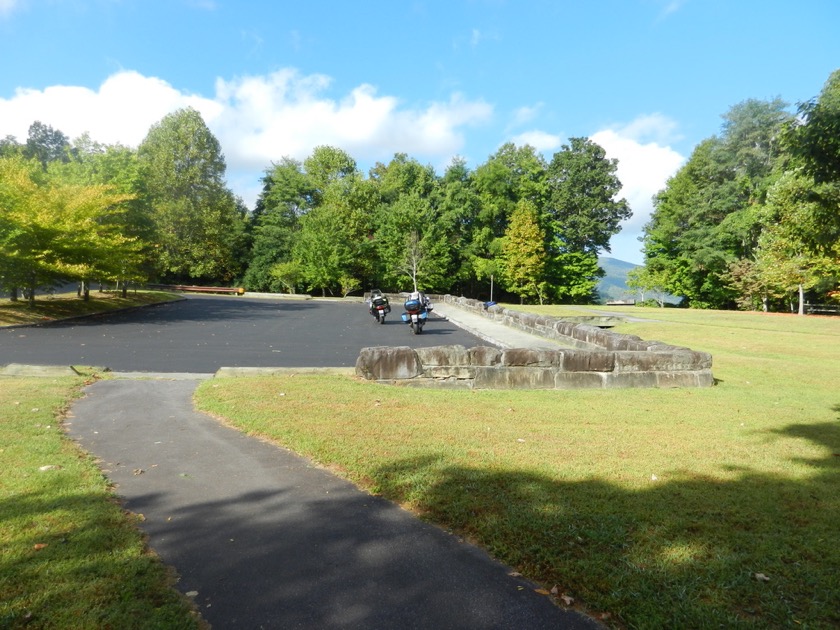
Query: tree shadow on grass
point(687, 551)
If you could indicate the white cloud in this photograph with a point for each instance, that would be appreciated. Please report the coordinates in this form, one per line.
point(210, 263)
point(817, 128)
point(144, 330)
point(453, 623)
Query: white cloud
point(542, 141)
point(285, 114)
point(257, 119)
point(645, 163)
point(122, 110)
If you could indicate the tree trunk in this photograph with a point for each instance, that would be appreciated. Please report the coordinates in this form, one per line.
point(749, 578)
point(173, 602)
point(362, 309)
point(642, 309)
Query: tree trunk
point(801, 300)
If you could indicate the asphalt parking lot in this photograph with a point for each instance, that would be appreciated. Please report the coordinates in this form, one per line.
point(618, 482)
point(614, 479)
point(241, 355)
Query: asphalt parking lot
point(203, 333)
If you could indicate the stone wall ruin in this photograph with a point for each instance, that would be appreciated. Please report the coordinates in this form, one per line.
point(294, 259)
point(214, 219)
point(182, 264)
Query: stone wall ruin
point(597, 359)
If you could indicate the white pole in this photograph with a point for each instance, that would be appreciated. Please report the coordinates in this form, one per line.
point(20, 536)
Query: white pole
point(491, 287)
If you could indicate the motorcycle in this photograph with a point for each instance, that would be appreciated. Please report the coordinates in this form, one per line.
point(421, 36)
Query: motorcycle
point(416, 312)
point(379, 307)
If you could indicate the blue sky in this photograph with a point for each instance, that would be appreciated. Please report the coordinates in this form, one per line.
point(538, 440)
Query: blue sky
point(646, 79)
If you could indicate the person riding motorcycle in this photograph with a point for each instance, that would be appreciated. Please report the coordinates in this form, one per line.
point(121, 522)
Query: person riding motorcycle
point(417, 307)
point(378, 305)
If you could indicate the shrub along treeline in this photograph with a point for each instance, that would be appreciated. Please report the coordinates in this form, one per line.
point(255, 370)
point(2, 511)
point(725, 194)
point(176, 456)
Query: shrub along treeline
point(751, 219)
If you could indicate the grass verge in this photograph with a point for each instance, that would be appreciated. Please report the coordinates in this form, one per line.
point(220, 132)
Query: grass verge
point(71, 557)
point(63, 305)
point(707, 507)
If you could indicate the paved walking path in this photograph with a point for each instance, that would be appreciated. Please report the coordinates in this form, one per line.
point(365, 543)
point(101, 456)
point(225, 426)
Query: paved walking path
point(491, 331)
point(261, 538)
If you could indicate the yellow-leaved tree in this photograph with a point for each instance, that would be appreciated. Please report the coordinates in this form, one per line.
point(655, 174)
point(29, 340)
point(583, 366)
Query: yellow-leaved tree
point(52, 232)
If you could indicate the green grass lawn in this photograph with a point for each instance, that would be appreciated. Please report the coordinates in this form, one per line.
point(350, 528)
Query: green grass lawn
point(70, 557)
point(682, 508)
point(62, 305)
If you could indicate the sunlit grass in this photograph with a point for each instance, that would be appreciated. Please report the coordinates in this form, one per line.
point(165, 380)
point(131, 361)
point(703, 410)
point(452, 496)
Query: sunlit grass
point(49, 308)
point(658, 507)
point(71, 558)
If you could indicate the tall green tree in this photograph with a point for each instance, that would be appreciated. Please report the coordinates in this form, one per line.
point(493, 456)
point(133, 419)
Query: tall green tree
point(583, 210)
point(411, 246)
point(459, 206)
point(791, 256)
point(333, 248)
point(117, 167)
point(581, 214)
point(288, 193)
point(814, 136)
point(46, 144)
point(199, 225)
point(524, 253)
point(507, 177)
point(510, 175)
point(814, 141)
point(403, 176)
point(709, 216)
point(326, 166)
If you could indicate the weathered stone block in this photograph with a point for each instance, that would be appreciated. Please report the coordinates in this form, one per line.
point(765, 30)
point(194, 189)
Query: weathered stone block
point(386, 362)
point(484, 355)
point(514, 378)
point(579, 380)
point(631, 379)
point(699, 378)
point(565, 329)
point(658, 361)
point(448, 372)
point(588, 361)
point(443, 355)
point(528, 357)
point(616, 341)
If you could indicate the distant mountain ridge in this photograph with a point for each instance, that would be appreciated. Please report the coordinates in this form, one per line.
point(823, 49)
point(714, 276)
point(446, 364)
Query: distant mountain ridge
point(613, 286)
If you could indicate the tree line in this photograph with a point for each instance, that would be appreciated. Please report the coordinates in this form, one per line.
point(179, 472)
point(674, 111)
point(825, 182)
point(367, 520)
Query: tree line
point(752, 220)
point(83, 211)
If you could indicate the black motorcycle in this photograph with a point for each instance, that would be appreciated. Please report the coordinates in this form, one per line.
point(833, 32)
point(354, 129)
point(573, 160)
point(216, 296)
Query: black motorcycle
point(379, 307)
